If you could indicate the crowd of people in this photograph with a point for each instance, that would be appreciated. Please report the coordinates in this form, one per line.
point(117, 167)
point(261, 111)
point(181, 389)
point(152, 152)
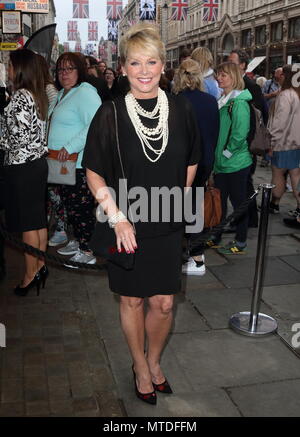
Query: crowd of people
point(185, 128)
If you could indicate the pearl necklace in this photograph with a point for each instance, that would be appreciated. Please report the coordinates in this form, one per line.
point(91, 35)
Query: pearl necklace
point(161, 131)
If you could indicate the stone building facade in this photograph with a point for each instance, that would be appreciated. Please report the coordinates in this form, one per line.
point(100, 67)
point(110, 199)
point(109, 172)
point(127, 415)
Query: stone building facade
point(268, 28)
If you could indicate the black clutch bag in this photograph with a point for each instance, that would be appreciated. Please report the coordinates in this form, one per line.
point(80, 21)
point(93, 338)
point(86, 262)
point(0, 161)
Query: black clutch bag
point(103, 241)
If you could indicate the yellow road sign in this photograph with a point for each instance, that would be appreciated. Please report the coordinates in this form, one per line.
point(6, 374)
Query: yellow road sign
point(9, 45)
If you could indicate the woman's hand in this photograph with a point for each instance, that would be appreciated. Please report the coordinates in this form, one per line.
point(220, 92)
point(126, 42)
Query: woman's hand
point(125, 235)
point(63, 155)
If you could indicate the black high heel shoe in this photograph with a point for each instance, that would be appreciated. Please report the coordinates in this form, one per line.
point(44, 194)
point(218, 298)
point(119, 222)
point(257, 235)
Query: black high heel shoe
point(164, 387)
point(44, 273)
point(149, 398)
point(22, 291)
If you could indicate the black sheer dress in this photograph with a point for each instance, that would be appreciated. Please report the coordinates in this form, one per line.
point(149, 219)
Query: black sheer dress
point(157, 267)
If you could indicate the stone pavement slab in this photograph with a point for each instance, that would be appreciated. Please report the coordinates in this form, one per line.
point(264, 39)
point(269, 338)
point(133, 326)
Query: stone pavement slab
point(217, 306)
point(274, 399)
point(239, 272)
point(225, 358)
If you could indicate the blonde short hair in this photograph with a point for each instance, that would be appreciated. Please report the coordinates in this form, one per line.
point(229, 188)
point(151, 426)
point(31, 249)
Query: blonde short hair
point(144, 37)
point(204, 58)
point(188, 75)
point(234, 72)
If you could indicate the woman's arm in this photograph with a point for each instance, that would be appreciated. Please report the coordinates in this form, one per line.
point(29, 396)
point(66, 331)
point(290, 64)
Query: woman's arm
point(190, 176)
point(124, 230)
point(240, 125)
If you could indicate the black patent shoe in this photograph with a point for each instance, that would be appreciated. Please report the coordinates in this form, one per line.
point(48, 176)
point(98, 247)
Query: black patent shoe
point(44, 273)
point(164, 387)
point(149, 398)
point(36, 282)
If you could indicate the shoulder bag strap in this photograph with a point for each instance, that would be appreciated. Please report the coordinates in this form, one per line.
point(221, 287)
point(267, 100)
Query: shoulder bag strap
point(230, 128)
point(121, 163)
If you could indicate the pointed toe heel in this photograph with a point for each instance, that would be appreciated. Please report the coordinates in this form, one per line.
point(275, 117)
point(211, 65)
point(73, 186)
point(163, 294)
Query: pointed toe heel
point(149, 398)
point(164, 387)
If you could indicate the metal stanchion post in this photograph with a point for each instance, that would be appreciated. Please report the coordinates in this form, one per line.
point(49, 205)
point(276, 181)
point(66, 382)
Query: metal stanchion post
point(255, 323)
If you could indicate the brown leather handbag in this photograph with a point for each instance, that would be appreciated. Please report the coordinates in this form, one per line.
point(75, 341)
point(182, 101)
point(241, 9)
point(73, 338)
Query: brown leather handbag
point(212, 207)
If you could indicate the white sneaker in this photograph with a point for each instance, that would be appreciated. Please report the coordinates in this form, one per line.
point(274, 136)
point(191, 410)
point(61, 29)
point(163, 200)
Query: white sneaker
point(69, 249)
point(82, 257)
point(193, 267)
point(59, 237)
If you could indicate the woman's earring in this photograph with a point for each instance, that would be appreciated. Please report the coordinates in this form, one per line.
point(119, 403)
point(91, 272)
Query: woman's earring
point(124, 74)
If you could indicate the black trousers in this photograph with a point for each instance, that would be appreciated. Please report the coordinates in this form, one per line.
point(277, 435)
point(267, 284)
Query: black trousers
point(235, 187)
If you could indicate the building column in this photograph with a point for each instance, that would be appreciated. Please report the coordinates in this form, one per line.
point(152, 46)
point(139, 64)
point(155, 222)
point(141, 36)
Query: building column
point(268, 43)
point(285, 38)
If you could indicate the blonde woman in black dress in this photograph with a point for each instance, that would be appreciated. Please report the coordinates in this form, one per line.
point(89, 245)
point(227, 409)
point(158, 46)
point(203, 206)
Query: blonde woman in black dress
point(168, 159)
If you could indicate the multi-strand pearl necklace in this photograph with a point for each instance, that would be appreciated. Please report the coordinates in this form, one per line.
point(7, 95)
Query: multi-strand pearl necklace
point(145, 134)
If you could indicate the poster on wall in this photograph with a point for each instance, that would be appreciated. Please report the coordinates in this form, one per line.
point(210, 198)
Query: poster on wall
point(11, 22)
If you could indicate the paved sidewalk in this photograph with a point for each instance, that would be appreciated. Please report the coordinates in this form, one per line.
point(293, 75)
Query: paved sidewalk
point(66, 355)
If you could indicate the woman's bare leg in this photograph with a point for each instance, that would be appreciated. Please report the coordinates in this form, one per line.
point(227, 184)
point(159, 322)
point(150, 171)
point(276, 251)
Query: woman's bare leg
point(295, 179)
point(133, 325)
point(158, 324)
point(279, 181)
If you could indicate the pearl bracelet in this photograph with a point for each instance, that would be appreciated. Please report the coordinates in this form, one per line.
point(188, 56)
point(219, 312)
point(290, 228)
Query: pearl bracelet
point(116, 218)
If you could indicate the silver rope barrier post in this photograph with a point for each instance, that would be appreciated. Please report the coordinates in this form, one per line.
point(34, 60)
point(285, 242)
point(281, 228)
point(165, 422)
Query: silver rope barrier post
point(254, 323)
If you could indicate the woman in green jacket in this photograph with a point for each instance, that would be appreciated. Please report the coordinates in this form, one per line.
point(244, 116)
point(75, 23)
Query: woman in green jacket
point(232, 157)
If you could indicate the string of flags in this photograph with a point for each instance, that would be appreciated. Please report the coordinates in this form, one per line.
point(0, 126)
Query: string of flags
point(147, 11)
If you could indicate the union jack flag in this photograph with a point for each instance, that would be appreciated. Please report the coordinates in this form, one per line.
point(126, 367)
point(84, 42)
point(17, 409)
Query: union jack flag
point(80, 8)
point(102, 52)
point(147, 10)
point(114, 9)
point(78, 47)
point(93, 31)
point(72, 30)
point(112, 30)
point(179, 10)
point(113, 49)
point(210, 10)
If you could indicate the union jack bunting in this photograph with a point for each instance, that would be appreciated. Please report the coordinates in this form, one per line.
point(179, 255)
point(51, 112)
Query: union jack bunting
point(93, 31)
point(113, 49)
point(66, 47)
point(102, 52)
point(131, 22)
point(147, 10)
point(210, 10)
point(114, 9)
point(78, 47)
point(179, 10)
point(80, 8)
point(112, 30)
point(72, 30)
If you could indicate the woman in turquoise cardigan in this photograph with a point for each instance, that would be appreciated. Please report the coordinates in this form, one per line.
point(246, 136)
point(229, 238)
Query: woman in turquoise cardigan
point(77, 102)
point(232, 157)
